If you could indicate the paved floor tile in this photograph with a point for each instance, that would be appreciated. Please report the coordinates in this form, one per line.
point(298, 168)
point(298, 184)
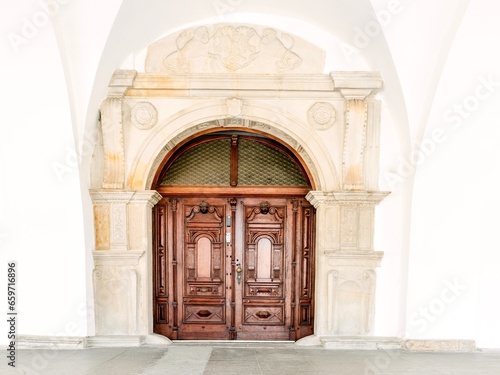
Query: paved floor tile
point(247, 358)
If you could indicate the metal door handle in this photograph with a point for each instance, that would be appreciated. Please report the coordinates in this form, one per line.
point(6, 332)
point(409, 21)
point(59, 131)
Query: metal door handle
point(238, 272)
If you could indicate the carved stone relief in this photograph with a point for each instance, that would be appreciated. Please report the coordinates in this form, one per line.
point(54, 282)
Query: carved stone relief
point(233, 48)
point(144, 115)
point(321, 116)
point(350, 300)
point(115, 291)
point(346, 261)
point(119, 222)
point(349, 226)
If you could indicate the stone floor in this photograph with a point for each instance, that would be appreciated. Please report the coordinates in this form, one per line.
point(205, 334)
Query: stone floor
point(211, 358)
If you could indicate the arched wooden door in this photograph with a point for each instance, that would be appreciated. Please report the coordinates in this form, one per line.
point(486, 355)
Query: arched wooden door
point(233, 242)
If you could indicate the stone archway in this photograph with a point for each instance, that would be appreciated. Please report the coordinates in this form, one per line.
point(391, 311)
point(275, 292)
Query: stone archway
point(234, 172)
point(331, 121)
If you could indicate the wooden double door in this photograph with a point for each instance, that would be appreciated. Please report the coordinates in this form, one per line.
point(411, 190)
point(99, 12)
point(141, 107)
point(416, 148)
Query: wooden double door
point(233, 268)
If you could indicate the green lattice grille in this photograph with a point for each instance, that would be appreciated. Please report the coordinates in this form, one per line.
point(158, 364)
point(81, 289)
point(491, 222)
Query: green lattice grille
point(258, 165)
point(261, 165)
point(205, 164)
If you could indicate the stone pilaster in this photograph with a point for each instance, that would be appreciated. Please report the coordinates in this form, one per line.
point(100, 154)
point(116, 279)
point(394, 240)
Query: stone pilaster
point(346, 262)
point(361, 129)
point(122, 259)
point(111, 113)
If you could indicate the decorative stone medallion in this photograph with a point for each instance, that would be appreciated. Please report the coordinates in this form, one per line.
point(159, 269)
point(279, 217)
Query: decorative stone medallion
point(321, 116)
point(144, 115)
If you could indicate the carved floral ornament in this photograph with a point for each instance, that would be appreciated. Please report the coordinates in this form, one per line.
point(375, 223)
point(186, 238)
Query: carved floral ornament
point(144, 115)
point(321, 116)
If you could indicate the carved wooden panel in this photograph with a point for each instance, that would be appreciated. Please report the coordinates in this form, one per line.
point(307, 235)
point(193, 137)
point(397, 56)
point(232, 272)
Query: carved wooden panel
point(161, 310)
point(305, 234)
point(161, 251)
point(198, 244)
point(200, 313)
point(161, 305)
point(203, 248)
point(264, 314)
point(264, 253)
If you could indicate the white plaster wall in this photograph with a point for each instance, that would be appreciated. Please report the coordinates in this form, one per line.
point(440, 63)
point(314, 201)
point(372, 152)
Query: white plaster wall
point(437, 227)
point(41, 226)
point(455, 208)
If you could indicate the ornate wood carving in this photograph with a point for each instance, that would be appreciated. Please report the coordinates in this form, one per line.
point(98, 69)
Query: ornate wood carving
point(232, 330)
point(161, 273)
point(175, 287)
point(273, 244)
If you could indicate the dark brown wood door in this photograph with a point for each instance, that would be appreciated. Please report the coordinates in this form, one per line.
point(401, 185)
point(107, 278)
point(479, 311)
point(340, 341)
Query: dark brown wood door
point(239, 268)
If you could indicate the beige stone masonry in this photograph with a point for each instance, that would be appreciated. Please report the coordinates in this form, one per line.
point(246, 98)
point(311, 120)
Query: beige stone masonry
point(256, 79)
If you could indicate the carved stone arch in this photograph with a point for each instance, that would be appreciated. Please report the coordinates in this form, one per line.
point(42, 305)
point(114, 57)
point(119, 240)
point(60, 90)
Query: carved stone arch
point(267, 120)
point(330, 122)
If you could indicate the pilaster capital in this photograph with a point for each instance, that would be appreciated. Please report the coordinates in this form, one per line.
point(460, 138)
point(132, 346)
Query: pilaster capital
point(121, 81)
point(147, 197)
point(356, 85)
point(111, 196)
point(338, 198)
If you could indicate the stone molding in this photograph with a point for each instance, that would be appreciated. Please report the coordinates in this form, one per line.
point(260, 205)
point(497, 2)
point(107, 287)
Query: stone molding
point(356, 85)
point(83, 342)
point(326, 342)
point(121, 81)
point(50, 342)
point(354, 258)
point(274, 130)
point(336, 198)
point(148, 197)
point(455, 346)
point(117, 258)
point(115, 212)
point(360, 343)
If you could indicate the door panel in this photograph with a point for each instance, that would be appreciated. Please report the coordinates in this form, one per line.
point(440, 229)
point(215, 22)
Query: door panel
point(203, 307)
point(200, 243)
point(264, 295)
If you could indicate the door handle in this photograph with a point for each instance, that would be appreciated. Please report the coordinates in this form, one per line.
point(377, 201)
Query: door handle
point(238, 272)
